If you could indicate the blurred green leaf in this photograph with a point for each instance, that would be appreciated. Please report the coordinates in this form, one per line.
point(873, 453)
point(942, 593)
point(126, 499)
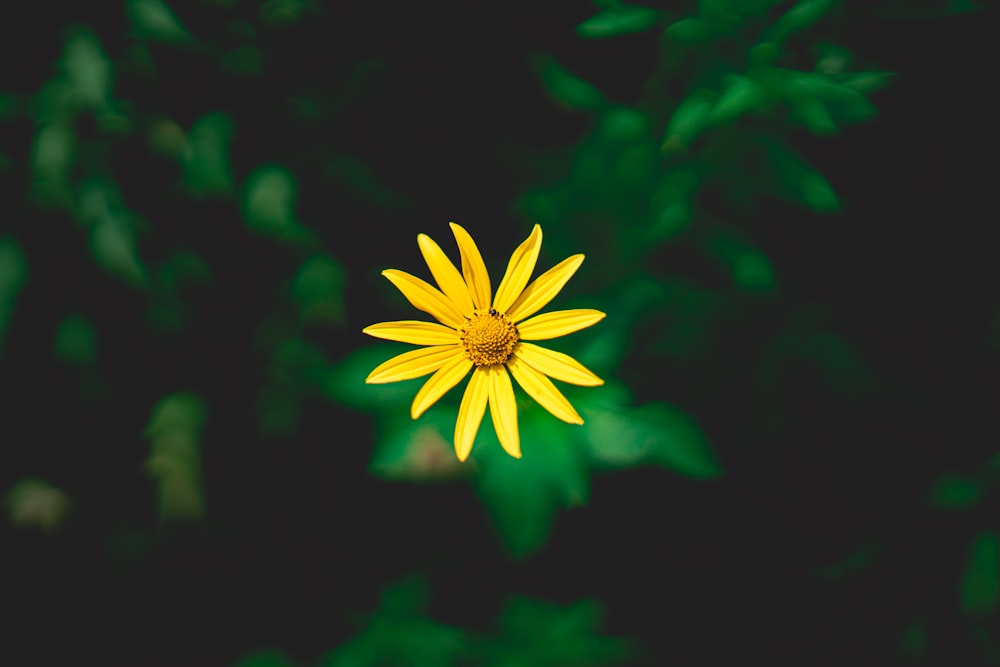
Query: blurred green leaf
point(523, 495)
point(174, 461)
point(153, 19)
point(52, 157)
point(112, 233)
point(691, 31)
point(418, 450)
point(623, 126)
point(619, 435)
point(345, 382)
point(957, 492)
point(87, 71)
point(318, 289)
point(13, 273)
point(207, 168)
point(751, 269)
point(687, 121)
point(867, 82)
point(76, 341)
point(979, 587)
point(566, 88)
point(361, 179)
point(539, 634)
point(618, 21)
point(269, 201)
point(799, 182)
point(399, 633)
point(673, 201)
point(741, 95)
point(799, 17)
point(913, 642)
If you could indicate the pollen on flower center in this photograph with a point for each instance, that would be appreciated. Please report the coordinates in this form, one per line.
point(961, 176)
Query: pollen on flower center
point(489, 337)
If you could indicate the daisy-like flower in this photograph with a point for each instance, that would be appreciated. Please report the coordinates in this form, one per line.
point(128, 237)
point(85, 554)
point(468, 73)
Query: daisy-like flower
point(488, 334)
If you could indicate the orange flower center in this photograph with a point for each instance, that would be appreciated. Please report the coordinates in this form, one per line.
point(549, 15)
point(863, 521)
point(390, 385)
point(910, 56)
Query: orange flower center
point(489, 337)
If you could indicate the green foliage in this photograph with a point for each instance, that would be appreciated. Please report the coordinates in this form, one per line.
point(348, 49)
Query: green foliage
point(979, 588)
point(566, 88)
point(619, 20)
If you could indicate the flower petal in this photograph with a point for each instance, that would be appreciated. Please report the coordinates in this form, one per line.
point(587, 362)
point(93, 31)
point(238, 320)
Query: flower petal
point(543, 289)
point(414, 364)
point(447, 276)
point(558, 323)
point(543, 391)
point(473, 267)
point(503, 410)
point(425, 297)
point(412, 331)
point(519, 269)
point(470, 412)
point(556, 365)
point(438, 384)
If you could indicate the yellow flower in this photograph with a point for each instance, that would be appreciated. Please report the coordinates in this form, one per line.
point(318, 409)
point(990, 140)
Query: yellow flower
point(488, 333)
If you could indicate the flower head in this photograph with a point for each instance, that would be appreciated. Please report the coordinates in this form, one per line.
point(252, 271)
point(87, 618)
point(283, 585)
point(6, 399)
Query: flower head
point(488, 334)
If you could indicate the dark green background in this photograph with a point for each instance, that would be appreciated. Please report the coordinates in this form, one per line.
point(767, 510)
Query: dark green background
point(842, 511)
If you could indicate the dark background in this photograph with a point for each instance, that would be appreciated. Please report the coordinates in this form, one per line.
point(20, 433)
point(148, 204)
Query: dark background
point(827, 540)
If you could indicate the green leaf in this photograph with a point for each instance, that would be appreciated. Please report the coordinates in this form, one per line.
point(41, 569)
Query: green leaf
point(418, 450)
point(956, 492)
point(691, 31)
point(867, 82)
point(674, 202)
point(540, 634)
point(799, 182)
point(345, 382)
point(153, 19)
point(76, 341)
point(675, 441)
point(799, 17)
point(979, 587)
point(399, 633)
point(207, 169)
point(87, 71)
point(318, 289)
point(687, 121)
point(566, 88)
point(269, 201)
point(751, 268)
point(618, 21)
point(112, 234)
point(740, 96)
point(651, 433)
point(13, 273)
point(523, 495)
point(623, 126)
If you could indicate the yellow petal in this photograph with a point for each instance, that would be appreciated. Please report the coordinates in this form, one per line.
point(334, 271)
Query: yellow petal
point(414, 364)
point(412, 331)
point(503, 410)
point(543, 391)
point(558, 323)
point(447, 276)
point(438, 384)
point(425, 297)
point(556, 365)
point(473, 267)
point(470, 412)
point(519, 269)
point(544, 288)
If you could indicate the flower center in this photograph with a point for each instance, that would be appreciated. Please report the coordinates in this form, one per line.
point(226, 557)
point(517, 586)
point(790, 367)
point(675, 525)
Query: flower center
point(489, 337)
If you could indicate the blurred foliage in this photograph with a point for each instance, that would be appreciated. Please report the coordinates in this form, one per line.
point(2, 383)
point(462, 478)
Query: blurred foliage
point(198, 199)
